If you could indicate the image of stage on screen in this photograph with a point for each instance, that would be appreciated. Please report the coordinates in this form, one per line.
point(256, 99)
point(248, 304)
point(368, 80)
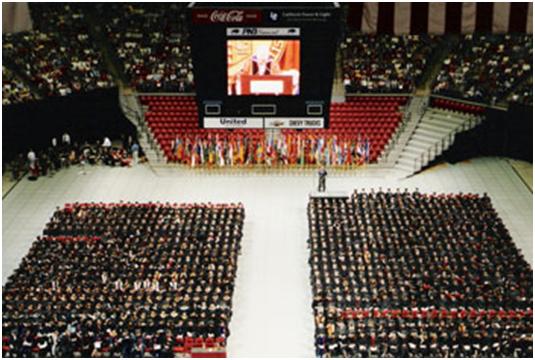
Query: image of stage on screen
point(263, 67)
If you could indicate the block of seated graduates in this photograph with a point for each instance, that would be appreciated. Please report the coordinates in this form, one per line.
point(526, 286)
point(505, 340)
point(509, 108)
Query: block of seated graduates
point(125, 279)
point(406, 274)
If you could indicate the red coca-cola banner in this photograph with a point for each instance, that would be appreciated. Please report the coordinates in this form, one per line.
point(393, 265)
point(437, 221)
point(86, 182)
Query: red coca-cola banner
point(226, 16)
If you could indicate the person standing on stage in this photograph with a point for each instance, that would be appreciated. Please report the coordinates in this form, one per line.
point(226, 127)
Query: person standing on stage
point(322, 178)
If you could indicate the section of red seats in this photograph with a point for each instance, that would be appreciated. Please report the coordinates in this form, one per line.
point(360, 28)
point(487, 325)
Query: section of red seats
point(375, 118)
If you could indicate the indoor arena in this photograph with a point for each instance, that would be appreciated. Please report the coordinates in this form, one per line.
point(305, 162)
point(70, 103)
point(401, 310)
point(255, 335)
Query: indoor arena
point(216, 180)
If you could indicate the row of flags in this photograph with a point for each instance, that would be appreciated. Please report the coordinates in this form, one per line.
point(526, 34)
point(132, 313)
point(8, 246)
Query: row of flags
point(285, 150)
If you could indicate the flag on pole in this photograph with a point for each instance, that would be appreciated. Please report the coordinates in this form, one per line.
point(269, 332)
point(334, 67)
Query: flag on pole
point(367, 150)
point(219, 153)
point(230, 153)
point(202, 153)
point(360, 148)
point(179, 149)
point(241, 154)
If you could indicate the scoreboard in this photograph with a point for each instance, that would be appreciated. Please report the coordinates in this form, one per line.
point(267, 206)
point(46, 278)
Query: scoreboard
point(264, 66)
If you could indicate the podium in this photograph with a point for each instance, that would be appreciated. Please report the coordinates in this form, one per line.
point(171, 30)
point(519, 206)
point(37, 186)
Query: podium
point(266, 84)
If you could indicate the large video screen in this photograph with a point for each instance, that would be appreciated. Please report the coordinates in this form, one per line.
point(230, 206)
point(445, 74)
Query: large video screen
point(263, 67)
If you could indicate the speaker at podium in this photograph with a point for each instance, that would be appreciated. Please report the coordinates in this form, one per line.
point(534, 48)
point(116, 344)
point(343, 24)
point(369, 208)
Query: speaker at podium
point(265, 85)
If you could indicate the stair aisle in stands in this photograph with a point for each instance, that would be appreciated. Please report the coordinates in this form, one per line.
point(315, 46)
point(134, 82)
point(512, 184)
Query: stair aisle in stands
point(433, 135)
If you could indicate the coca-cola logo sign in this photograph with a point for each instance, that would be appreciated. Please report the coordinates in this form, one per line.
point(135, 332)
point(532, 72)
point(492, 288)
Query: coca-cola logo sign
point(224, 16)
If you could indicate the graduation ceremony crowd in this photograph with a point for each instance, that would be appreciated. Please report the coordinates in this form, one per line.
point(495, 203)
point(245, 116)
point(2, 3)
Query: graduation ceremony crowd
point(125, 279)
point(385, 63)
point(486, 68)
point(401, 274)
point(149, 46)
point(59, 56)
point(152, 42)
point(479, 67)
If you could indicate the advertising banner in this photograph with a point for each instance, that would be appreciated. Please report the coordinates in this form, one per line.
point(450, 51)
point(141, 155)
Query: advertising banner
point(263, 31)
point(294, 123)
point(226, 16)
point(233, 123)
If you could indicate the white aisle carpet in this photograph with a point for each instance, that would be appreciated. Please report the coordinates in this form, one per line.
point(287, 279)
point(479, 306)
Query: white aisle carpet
point(272, 302)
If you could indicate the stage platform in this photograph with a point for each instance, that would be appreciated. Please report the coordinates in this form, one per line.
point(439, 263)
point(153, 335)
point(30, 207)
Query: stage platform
point(329, 195)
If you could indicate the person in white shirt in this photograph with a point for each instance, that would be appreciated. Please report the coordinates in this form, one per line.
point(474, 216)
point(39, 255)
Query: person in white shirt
point(31, 158)
point(32, 165)
point(106, 143)
point(85, 158)
point(66, 139)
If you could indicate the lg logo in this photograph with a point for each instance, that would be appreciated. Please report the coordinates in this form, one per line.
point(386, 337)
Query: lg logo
point(273, 16)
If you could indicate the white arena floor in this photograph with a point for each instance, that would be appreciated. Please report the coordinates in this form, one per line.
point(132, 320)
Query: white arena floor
point(272, 303)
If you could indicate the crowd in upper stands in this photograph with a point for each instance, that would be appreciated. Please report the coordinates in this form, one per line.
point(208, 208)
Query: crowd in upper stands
point(59, 56)
point(152, 42)
point(385, 63)
point(126, 279)
point(14, 90)
point(56, 63)
point(400, 274)
point(149, 43)
point(65, 17)
point(486, 68)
